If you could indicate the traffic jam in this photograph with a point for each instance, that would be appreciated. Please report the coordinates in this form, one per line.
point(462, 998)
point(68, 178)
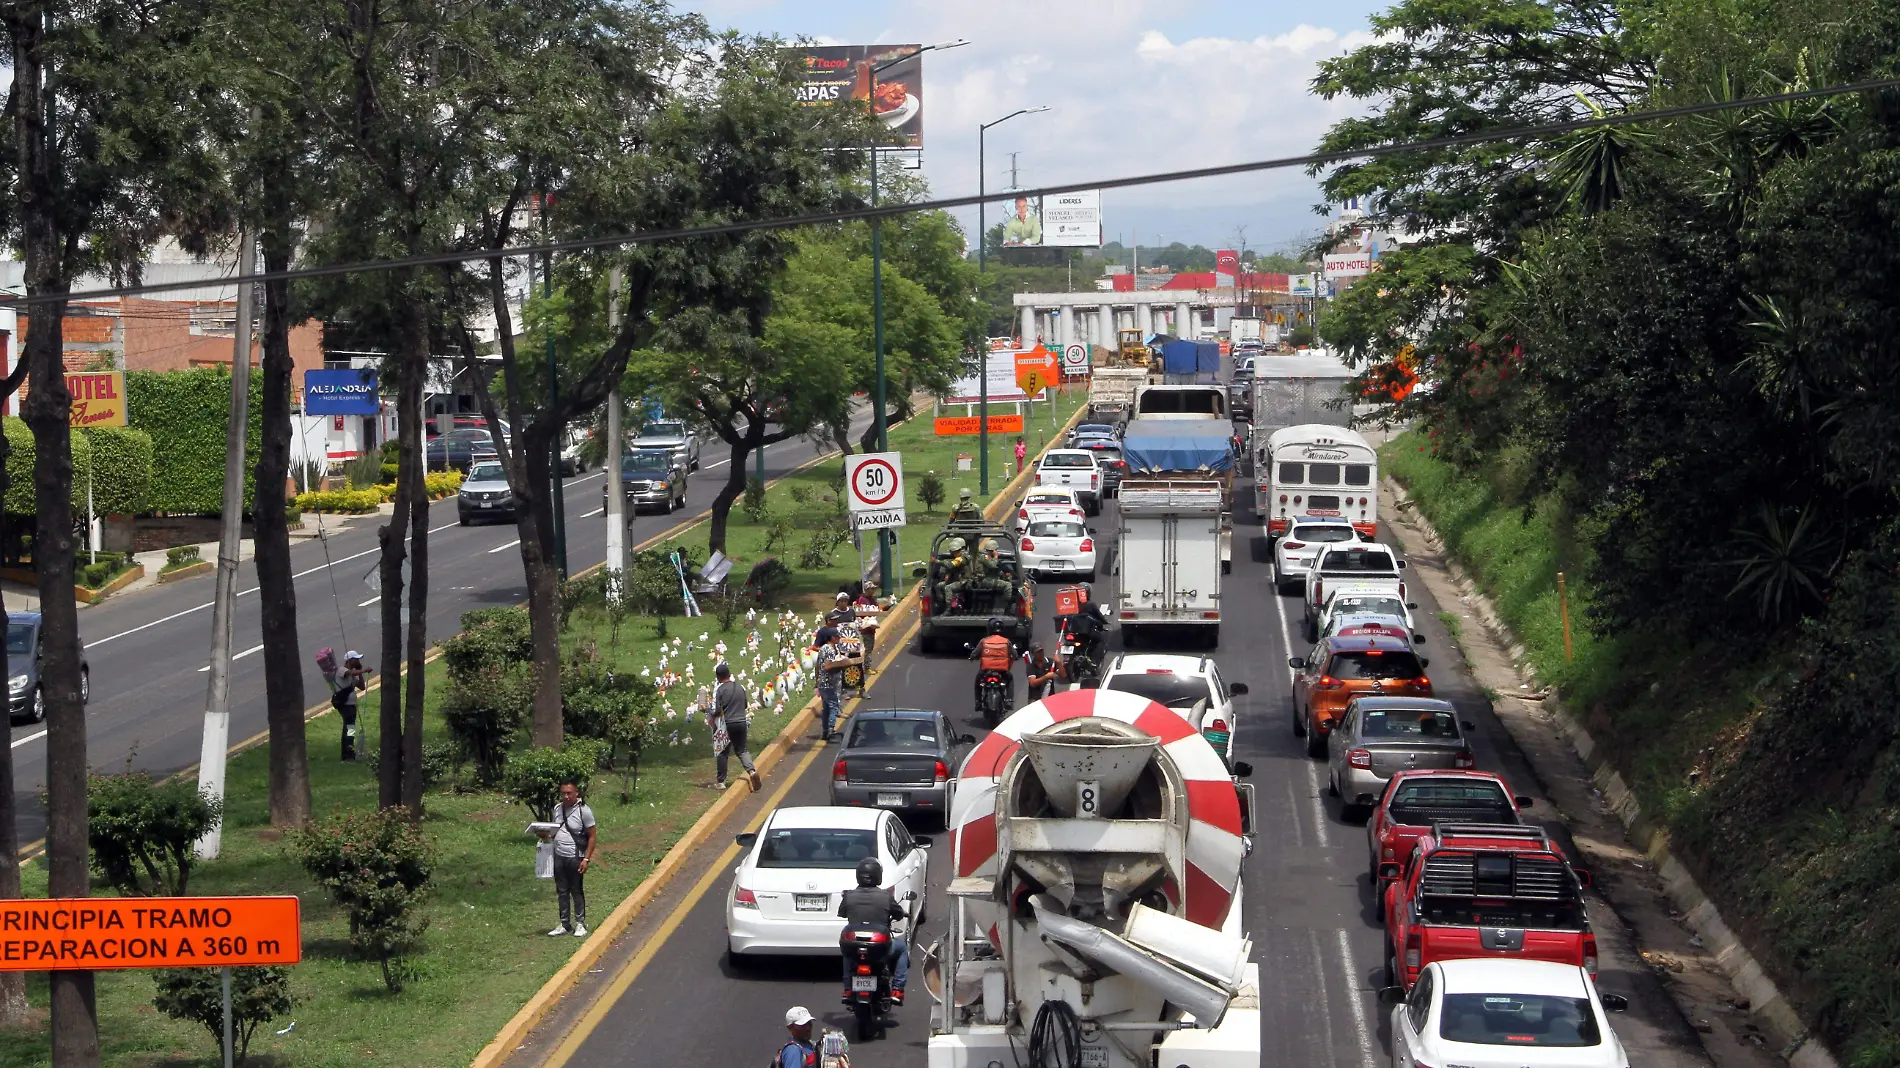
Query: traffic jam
point(1089, 801)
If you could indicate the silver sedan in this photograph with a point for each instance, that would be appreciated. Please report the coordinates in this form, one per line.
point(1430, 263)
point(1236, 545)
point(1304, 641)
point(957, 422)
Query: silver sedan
point(1381, 736)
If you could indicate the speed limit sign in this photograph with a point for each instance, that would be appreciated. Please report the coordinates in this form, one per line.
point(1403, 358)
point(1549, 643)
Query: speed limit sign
point(875, 484)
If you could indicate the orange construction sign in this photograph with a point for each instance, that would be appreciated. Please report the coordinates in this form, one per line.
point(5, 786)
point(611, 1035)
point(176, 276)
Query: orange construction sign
point(999, 424)
point(100, 933)
point(1036, 369)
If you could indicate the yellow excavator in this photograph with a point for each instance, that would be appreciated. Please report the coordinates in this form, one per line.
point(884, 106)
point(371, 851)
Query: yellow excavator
point(1132, 350)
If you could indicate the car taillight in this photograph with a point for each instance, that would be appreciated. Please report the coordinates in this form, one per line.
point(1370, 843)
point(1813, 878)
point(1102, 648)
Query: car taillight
point(1319, 591)
point(1296, 545)
point(940, 772)
point(1413, 951)
point(1359, 758)
point(1464, 760)
point(864, 969)
point(1423, 682)
point(1075, 512)
point(1590, 954)
point(744, 899)
point(1327, 682)
point(1088, 545)
point(1027, 545)
point(838, 772)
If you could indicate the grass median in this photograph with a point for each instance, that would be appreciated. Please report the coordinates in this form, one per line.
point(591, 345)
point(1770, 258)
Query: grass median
point(486, 950)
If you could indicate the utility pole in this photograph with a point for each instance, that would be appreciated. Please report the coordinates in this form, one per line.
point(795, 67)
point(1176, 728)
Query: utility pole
point(217, 731)
point(616, 494)
point(554, 404)
point(1013, 185)
point(983, 353)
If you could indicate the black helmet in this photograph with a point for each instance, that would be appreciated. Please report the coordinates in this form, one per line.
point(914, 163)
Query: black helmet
point(870, 872)
point(996, 626)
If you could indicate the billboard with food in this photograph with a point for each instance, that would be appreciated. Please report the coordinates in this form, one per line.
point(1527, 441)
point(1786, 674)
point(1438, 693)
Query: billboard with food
point(843, 72)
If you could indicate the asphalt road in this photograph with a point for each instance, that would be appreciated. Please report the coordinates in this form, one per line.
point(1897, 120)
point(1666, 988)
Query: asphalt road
point(149, 650)
point(1310, 912)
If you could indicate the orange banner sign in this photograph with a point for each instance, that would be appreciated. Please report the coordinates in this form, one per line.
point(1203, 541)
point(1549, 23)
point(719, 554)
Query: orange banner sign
point(98, 397)
point(99, 933)
point(999, 424)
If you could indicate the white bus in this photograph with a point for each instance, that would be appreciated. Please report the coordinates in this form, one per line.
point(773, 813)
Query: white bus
point(1314, 469)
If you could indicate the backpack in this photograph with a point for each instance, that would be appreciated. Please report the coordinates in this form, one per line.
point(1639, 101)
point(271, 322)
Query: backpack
point(811, 1055)
point(326, 660)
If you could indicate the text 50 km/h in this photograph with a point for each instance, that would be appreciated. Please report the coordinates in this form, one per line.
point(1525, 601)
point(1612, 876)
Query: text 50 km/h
point(98, 933)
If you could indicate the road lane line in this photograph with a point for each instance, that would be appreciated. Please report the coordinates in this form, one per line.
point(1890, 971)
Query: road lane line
point(371, 601)
point(1299, 831)
point(207, 604)
point(18, 742)
point(595, 512)
point(510, 545)
point(1325, 997)
point(238, 656)
point(1319, 806)
point(1354, 998)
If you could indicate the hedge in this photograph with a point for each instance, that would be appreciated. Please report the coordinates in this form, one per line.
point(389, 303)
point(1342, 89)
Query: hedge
point(187, 410)
point(122, 469)
point(20, 498)
point(352, 501)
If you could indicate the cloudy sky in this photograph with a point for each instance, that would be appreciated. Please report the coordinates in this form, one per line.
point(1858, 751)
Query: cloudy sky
point(1136, 86)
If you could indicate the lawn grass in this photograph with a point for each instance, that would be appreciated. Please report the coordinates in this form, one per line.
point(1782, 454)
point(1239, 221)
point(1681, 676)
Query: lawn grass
point(486, 951)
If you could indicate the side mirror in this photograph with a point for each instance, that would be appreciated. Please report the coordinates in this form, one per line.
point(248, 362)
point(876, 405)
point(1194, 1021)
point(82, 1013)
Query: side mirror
point(1389, 870)
point(1524, 802)
point(1242, 769)
point(1391, 995)
point(1402, 565)
point(1297, 663)
point(921, 843)
point(1238, 689)
point(910, 895)
point(1411, 606)
point(1418, 639)
point(1614, 1002)
point(1583, 876)
point(1424, 661)
point(967, 739)
point(747, 839)
point(1092, 533)
point(916, 572)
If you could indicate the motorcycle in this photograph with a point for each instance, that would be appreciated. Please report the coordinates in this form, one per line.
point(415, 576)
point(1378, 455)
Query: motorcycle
point(868, 953)
point(1081, 659)
point(992, 696)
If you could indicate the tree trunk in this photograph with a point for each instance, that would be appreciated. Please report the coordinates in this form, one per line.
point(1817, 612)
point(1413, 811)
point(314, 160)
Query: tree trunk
point(536, 524)
point(12, 984)
point(841, 437)
point(48, 410)
point(389, 707)
point(283, 675)
point(415, 353)
point(735, 484)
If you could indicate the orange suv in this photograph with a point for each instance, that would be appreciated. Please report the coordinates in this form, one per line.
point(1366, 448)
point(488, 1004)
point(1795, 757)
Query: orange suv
point(1342, 668)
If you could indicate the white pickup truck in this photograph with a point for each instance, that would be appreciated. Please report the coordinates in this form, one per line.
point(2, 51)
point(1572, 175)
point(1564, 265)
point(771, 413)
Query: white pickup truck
point(1359, 563)
point(1074, 469)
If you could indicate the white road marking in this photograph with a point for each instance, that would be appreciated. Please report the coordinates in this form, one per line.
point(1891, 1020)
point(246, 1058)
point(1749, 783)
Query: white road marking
point(1319, 806)
point(237, 656)
point(371, 601)
point(1325, 998)
point(595, 512)
point(18, 742)
point(1355, 998)
point(510, 545)
point(207, 604)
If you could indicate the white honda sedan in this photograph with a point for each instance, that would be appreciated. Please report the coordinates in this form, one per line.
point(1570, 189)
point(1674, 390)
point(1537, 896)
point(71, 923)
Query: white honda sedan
point(1487, 1012)
point(784, 893)
point(1057, 546)
point(1042, 503)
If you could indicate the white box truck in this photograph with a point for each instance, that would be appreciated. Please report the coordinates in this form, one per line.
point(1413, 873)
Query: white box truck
point(1176, 502)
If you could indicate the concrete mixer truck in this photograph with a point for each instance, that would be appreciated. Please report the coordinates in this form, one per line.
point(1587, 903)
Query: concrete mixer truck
point(1096, 899)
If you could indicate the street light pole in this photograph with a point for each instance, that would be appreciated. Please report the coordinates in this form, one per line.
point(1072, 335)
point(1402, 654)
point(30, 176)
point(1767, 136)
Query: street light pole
point(878, 412)
point(983, 357)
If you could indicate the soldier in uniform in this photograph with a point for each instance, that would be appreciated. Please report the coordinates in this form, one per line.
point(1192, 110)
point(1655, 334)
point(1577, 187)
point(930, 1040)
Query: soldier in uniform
point(966, 507)
point(952, 565)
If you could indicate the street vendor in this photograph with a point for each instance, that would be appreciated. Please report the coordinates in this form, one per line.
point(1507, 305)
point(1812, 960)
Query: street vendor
point(869, 611)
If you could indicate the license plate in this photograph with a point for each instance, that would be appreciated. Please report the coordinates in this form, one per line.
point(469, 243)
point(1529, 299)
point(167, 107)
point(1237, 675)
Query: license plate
point(485, 504)
point(890, 800)
point(1094, 1057)
point(1068, 650)
point(813, 902)
point(867, 984)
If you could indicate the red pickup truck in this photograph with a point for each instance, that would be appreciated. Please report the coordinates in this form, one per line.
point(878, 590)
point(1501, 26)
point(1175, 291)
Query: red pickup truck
point(1414, 800)
point(1484, 890)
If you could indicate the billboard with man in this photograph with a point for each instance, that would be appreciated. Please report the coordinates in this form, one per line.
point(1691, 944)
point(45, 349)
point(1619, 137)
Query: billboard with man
point(843, 72)
point(1065, 220)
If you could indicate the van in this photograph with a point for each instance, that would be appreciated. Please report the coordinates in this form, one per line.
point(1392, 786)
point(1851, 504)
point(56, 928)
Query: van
point(1317, 470)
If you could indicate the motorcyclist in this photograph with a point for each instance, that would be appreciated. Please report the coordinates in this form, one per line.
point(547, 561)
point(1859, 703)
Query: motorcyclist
point(1086, 627)
point(995, 655)
point(870, 907)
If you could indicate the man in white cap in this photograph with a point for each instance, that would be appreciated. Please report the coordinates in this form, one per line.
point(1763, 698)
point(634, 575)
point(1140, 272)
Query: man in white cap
point(349, 684)
point(799, 1052)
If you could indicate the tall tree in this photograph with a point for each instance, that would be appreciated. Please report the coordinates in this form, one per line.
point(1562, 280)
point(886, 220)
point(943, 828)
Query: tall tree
point(106, 153)
point(13, 1006)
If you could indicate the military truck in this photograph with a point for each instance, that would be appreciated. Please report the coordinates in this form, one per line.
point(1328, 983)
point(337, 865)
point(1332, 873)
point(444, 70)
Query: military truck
point(964, 587)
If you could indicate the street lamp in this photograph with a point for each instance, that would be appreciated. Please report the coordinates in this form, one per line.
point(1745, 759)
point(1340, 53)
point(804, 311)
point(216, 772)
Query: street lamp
point(983, 357)
point(877, 294)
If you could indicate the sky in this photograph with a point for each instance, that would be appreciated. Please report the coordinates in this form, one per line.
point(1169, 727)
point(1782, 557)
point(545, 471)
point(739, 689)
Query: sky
point(1136, 86)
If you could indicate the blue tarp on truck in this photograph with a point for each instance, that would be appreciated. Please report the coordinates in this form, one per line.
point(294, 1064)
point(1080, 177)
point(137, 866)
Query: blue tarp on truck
point(1152, 447)
point(1190, 357)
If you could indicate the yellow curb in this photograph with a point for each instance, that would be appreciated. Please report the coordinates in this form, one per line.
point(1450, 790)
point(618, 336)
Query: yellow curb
point(598, 941)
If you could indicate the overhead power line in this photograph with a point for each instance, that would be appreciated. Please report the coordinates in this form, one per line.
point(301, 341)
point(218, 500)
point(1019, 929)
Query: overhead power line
point(1315, 159)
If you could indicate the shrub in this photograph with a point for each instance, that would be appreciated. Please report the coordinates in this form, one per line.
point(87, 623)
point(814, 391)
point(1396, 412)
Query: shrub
point(930, 490)
point(753, 504)
point(390, 451)
point(187, 412)
point(94, 570)
point(121, 469)
point(768, 579)
point(389, 472)
point(484, 711)
point(349, 501)
point(776, 534)
point(20, 490)
point(534, 778)
point(196, 995)
point(800, 493)
point(376, 865)
point(442, 483)
point(440, 763)
point(181, 556)
point(364, 472)
point(142, 832)
point(489, 636)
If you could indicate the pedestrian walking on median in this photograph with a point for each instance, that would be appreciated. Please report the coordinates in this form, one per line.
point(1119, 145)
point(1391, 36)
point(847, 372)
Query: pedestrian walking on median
point(1021, 451)
point(574, 848)
point(729, 711)
point(349, 683)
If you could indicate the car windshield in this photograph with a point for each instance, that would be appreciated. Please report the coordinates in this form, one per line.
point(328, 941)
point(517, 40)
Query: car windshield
point(1374, 664)
point(1518, 1020)
point(637, 462)
point(19, 639)
point(1408, 723)
point(1322, 533)
point(918, 734)
point(1465, 801)
point(1369, 606)
point(1163, 687)
point(816, 847)
point(489, 472)
point(1068, 459)
point(1369, 560)
point(664, 430)
point(1052, 529)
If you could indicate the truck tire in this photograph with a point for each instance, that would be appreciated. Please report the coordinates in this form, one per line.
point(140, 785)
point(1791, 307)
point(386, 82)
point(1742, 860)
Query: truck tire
point(1315, 744)
point(1213, 636)
point(1391, 964)
point(1299, 729)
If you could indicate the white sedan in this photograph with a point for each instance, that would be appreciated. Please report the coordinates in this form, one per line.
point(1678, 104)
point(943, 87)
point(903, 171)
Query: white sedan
point(1044, 502)
point(1056, 545)
point(1191, 685)
point(1494, 1013)
point(1293, 554)
point(1372, 599)
point(784, 893)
